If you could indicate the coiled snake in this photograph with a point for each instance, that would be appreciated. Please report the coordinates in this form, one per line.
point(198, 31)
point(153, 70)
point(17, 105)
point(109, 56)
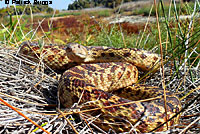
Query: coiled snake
point(103, 78)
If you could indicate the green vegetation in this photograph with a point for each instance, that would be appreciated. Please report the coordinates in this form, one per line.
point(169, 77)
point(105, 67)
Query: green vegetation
point(80, 4)
point(28, 10)
point(100, 13)
point(144, 9)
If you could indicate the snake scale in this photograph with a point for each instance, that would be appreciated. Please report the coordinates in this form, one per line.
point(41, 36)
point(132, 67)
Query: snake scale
point(104, 78)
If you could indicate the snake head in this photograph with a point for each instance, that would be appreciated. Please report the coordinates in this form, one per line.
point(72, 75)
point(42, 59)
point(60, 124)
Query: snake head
point(76, 52)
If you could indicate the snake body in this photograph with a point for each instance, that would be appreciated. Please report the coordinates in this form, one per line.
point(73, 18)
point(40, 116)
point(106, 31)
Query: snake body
point(102, 78)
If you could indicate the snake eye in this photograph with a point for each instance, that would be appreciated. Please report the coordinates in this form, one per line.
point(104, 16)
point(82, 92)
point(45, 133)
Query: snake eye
point(68, 49)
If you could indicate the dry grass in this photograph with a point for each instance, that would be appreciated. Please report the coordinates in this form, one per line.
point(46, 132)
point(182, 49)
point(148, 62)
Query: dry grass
point(33, 93)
